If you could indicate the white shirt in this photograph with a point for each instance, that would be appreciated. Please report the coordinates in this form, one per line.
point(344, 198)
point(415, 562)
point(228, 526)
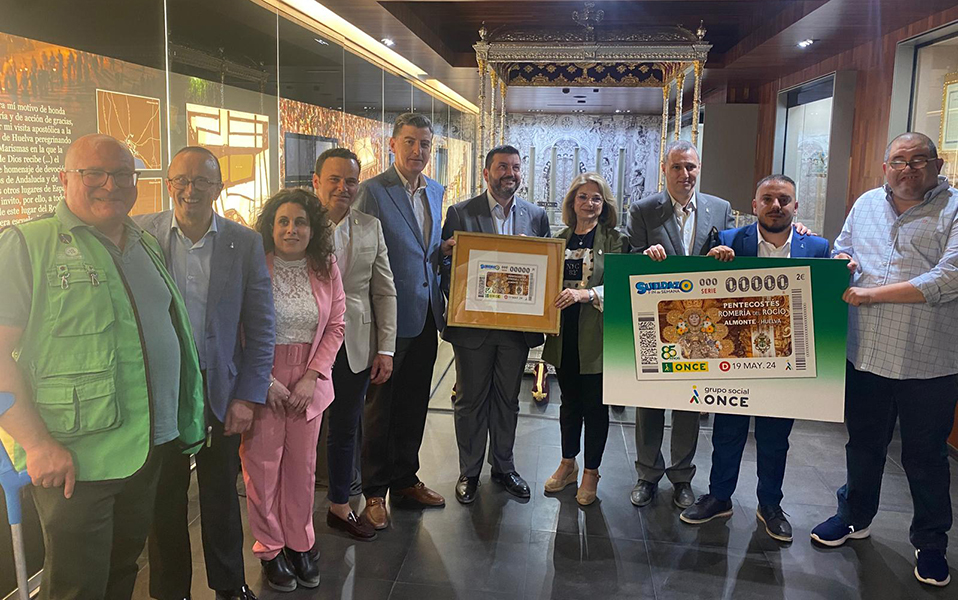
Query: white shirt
point(191, 272)
point(420, 205)
point(503, 218)
point(767, 249)
point(297, 316)
point(685, 217)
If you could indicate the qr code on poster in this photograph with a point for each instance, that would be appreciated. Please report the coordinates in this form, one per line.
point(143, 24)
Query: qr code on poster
point(648, 344)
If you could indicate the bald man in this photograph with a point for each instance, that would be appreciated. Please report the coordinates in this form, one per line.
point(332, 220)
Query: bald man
point(106, 378)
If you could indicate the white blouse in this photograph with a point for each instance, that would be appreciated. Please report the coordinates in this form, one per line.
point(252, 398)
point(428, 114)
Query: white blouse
point(297, 315)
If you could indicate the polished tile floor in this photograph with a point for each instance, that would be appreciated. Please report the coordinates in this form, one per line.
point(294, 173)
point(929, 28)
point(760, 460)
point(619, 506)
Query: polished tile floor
point(549, 547)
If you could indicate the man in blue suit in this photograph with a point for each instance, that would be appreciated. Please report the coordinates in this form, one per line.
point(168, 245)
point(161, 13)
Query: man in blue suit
point(773, 236)
point(409, 206)
point(220, 268)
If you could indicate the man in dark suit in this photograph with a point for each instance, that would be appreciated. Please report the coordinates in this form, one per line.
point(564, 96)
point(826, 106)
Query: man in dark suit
point(490, 363)
point(774, 205)
point(676, 222)
point(408, 204)
point(220, 269)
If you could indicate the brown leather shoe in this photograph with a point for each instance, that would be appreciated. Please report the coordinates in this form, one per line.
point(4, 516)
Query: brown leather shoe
point(419, 494)
point(375, 513)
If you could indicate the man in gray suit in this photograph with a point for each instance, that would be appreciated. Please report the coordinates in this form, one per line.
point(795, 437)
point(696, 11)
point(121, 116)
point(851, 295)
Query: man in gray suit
point(676, 222)
point(408, 205)
point(490, 363)
point(220, 268)
point(366, 355)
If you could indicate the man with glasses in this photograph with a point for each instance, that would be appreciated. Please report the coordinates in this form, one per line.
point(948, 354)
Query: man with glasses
point(220, 268)
point(901, 241)
point(97, 348)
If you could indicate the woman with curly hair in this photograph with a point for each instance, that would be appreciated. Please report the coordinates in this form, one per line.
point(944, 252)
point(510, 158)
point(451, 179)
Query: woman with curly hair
point(279, 450)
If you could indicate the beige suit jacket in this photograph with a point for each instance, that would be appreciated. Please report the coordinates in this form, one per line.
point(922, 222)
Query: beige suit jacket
point(370, 293)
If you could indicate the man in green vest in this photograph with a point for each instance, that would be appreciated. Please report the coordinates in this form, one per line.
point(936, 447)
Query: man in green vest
point(96, 346)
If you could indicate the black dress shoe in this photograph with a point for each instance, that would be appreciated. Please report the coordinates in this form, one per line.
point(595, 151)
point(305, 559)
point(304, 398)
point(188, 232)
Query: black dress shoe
point(466, 489)
point(279, 574)
point(682, 495)
point(705, 509)
point(514, 484)
point(304, 568)
point(244, 593)
point(643, 492)
point(776, 525)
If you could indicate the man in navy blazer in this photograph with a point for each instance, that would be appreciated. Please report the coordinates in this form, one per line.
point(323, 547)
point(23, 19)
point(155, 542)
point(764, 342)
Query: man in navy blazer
point(220, 269)
point(409, 206)
point(490, 363)
point(773, 236)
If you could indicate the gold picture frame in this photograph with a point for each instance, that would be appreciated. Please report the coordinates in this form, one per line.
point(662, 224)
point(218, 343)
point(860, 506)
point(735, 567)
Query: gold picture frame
point(505, 282)
point(948, 127)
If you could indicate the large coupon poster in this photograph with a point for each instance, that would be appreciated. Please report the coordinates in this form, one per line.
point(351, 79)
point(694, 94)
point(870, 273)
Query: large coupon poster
point(757, 336)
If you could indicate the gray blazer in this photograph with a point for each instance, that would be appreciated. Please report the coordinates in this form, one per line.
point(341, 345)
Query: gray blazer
point(370, 293)
point(651, 221)
point(240, 325)
point(414, 262)
point(474, 215)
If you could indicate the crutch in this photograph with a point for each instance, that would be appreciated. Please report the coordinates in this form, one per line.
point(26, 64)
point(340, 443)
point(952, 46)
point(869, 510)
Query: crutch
point(11, 481)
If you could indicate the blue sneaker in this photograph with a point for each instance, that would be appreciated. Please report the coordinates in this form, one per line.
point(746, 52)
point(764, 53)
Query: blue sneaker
point(931, 567)
point(835, 531)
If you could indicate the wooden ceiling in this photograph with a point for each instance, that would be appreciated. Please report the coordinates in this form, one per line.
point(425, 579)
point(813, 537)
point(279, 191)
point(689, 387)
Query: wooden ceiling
point(450, 27)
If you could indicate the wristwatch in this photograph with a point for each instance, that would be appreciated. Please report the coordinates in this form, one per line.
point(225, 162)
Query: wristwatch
point(591, 295)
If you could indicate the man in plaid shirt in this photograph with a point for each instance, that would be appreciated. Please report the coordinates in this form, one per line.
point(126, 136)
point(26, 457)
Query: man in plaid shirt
point(902, 244)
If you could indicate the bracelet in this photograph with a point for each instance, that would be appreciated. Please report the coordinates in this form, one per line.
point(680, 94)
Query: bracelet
point(271, 382)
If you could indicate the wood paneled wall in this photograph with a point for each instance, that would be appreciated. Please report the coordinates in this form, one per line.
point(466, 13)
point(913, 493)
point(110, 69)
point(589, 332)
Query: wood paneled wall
point(875, 63)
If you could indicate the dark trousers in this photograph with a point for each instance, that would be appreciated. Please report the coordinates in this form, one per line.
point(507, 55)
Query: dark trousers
point(925, 410)
point(582, 404)
point(93, 539)
point(488, 379)
point(342, 419)
point(729, 434)
point(394, 418)
point(221, 524)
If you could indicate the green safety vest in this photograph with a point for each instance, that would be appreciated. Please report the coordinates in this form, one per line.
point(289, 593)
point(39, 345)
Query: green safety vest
point(84, 359)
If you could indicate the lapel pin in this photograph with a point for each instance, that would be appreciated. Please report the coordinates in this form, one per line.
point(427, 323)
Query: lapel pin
point(231, 245)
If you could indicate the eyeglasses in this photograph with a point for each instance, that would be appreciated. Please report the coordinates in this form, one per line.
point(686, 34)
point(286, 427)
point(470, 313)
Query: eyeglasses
point(200, 184)
point(587, 199)
point(96, 178)
point(915, 163)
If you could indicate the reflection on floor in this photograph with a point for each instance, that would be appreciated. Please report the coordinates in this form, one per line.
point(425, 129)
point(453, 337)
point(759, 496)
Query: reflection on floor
point(548, 547)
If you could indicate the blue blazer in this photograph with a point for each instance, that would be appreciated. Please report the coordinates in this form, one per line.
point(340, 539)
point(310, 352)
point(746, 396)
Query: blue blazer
point(240, 324)
point(414, 262)
point(744, 241)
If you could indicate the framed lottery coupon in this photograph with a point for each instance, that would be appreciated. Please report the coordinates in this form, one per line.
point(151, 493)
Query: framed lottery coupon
point(505, 282)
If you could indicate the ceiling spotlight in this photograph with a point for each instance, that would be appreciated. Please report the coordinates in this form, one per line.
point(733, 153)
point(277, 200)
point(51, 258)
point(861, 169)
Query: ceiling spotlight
point(806, 43)
point(618, 110)
point(388, 42)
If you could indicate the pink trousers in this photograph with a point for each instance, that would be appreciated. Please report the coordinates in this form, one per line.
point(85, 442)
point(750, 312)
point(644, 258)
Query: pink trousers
point(279, 467)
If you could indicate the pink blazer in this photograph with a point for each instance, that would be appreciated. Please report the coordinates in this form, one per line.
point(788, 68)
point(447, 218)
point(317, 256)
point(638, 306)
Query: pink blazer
point(331, 301)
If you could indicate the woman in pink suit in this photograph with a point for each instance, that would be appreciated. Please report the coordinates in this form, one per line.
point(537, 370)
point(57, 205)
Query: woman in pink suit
point(279, 450)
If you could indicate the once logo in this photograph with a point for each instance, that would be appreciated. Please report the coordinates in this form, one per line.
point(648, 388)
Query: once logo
point(725, 365)
point(690, 367)
point(695, 396)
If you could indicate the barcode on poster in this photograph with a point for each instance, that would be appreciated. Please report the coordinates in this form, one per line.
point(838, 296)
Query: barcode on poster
point(800, 334)
point(648, 346)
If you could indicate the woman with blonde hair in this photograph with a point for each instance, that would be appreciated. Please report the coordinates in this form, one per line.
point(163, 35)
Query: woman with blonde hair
point(576, 353)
